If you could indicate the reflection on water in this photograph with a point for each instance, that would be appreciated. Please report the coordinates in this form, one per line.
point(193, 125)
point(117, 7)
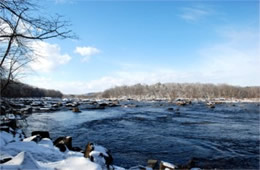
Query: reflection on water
point(224, 137)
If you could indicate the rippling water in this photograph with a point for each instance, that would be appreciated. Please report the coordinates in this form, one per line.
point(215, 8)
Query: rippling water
point(224, 137)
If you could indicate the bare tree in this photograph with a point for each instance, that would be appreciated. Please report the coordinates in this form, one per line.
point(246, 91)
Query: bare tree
point(172, 91)
point(21, 24)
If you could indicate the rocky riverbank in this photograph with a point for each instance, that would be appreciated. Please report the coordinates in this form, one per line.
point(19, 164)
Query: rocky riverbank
point(39, 151)
point(20, 108)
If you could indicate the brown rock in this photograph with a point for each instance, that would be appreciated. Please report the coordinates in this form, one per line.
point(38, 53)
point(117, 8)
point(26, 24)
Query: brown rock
point(152, 163)
point(75, 109)
point(98, 155)
point(62, 142)
point(89, 148)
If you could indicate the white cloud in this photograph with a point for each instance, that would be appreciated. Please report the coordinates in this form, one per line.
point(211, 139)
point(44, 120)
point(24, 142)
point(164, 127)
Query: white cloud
point(49, 56)
point(86, 52)
point(193, 14)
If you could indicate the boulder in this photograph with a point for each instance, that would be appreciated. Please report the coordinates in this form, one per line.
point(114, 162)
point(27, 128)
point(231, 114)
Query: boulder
point(210, 104)
point(63, 142)
point(61, 147)
point(5, 160)
point(166, 165)
point(89, 148)
point(75, 109)
point(151, 163)
point(103, 104)
point(99, 155)
point(43, 134)
point(36, 138)
point(181, 103)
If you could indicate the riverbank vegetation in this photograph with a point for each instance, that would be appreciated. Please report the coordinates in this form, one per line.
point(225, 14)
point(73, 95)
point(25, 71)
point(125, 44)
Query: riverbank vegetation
point(182, 90)
point(17, 89)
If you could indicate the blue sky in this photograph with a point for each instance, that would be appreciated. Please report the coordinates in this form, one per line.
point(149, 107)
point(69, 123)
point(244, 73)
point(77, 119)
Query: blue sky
point(129, 42)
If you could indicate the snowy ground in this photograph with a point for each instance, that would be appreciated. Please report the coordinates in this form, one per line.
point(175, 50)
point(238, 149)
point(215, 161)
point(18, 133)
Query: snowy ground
point(27, 154)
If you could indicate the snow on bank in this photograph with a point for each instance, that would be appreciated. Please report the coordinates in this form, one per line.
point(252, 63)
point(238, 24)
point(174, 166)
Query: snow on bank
point(28, 154)
point(73, 162)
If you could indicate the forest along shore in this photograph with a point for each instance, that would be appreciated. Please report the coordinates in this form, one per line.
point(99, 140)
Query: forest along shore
point(40, 151)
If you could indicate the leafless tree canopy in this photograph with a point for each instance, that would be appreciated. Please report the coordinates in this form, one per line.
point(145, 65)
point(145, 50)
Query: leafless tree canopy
point(18, 89)
point(182, 90)
point(21, 23)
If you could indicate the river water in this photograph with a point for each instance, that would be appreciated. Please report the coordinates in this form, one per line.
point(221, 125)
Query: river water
point(224, 137)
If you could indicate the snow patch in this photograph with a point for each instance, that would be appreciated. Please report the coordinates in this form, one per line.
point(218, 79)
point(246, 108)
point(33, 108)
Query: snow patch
point(167, 164)
point(39, 152)
point(101, 149)
point(22, 160)
point(73, 163)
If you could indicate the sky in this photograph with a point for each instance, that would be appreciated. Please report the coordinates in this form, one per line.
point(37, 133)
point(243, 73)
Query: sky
point(130, 42)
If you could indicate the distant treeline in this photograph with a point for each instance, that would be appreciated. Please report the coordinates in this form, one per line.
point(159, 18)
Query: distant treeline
point(17, 89)
point(182, 90)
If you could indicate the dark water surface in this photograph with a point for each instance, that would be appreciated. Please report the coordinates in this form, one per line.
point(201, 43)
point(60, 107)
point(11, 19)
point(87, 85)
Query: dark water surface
point(225, 137)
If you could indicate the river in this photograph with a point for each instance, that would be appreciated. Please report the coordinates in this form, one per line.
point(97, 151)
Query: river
point(224, 137)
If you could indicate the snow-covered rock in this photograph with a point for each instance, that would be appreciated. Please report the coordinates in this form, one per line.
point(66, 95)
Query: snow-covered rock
point(29, 139)
point(99, 155)
point(42, 134)
point(44, 155)
point(46, 142)
point(74, 163)
point(64, 143)
point(28, 154)
point(167, 166)
point(22, 160)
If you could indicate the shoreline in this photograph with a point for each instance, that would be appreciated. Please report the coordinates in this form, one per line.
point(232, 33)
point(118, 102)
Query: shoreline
point(39, 151)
